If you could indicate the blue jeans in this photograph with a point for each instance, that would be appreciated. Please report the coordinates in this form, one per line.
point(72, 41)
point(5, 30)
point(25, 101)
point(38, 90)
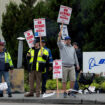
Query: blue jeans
point(6, 78)
point(76, 86)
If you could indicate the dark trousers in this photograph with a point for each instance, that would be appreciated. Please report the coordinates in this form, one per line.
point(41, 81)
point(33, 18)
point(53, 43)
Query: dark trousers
point(76, 86)
point(44, 79)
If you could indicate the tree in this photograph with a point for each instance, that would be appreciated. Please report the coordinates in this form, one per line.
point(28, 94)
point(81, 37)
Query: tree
point(87, 23)
point(94, 24)
point(16, 21)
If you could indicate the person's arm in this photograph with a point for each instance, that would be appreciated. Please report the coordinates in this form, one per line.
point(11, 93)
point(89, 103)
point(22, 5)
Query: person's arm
point(10, 61)
point(76, 61)
point(50, 60)
point(45, 54)
point(59, 43)
point(28, 56)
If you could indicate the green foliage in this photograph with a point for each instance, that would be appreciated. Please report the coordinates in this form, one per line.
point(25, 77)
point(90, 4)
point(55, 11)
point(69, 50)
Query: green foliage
point(103, 86)
point(26, 87)
point(19, 19)
point(97, 86)
point(94, 25)
point(51, 84)
point(99, 80)
point(68, 85)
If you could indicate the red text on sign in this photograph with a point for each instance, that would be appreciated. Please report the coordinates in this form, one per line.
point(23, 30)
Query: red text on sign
point(39, 26)
point(29, 37)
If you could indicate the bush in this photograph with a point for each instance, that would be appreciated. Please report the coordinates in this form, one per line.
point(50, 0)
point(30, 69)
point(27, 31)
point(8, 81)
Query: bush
point(103, 86)
point(99, 80)
point(97, 86)
point(51, 85)
point(26, 87)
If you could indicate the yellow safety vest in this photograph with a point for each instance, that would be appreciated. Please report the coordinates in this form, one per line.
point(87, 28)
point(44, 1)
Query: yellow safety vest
point(8, 59)
point(39, 57)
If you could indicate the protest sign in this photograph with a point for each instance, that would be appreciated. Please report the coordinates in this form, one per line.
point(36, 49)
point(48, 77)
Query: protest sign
point(64, 14)
point(57, 69)
point(39, 27)
point(57, 72)
point(29, 37)
point(64, 31)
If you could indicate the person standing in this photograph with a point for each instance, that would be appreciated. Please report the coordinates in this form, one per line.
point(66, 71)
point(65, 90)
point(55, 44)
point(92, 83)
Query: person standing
point(69, 59)
point(79, 56)
point(37, 58)
point(47, 68)
point(5, 65)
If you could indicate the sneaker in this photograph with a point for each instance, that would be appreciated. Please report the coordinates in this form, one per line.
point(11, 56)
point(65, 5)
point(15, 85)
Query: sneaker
point(29, 95)
point(65, 95)
point(1, 95)
point(9, 95)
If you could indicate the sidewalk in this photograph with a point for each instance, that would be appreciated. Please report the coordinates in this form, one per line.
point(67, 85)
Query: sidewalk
point(80, 99)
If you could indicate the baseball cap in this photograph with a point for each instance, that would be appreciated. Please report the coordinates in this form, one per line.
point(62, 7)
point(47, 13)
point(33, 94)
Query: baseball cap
point(67, 38)
point(35, 41)
point(43, 41)
point(2, 43)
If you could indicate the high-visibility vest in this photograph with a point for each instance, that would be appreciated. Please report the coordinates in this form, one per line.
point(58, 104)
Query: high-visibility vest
point(8, 59)
point(39, 57)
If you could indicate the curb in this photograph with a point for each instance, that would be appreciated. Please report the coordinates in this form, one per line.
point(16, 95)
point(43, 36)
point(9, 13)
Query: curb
point(51, 101)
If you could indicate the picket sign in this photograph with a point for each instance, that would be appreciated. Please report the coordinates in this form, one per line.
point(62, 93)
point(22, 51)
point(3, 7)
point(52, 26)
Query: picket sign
point(3, 86)
point(39, 27)
point(57, 69)
point(29, 38)
point(64, 14)
point(64, 31)
point(57, 72)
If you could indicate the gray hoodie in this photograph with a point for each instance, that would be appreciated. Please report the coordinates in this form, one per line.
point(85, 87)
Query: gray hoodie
point(67, 54)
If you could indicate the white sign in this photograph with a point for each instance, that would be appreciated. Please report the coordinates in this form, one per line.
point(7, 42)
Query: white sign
point(29, 37)
point(64, 14)
point(39, 27)
point(94, 62)
point(3, 86)
point(57, 69)
point(64, 31)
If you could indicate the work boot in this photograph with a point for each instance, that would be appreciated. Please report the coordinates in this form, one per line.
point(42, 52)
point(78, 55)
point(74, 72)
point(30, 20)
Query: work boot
point(1, 95)
point(29, 95)
point(9, 95)
point(38, 94)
